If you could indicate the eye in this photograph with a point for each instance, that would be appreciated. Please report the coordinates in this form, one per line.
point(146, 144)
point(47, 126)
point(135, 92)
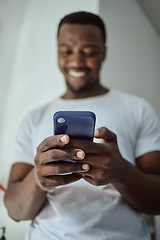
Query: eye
point(65, 52)
point(90, 52)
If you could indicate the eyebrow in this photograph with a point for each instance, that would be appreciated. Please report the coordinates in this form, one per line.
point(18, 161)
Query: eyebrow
point(67, 45)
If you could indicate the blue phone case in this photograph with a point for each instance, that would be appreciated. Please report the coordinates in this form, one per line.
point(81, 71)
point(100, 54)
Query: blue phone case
point(76, 124)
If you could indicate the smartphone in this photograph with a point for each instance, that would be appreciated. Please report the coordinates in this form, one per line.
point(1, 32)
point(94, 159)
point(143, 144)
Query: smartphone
point(76, 124)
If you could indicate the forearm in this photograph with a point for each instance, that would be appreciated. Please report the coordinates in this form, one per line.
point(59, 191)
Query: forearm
point(24, 199)
point(140, 190)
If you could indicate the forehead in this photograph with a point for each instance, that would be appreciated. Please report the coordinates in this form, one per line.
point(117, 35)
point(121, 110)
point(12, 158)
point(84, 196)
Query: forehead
point(79, 32)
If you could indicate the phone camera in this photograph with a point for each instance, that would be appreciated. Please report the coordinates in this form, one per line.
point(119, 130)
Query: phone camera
point(60, 120)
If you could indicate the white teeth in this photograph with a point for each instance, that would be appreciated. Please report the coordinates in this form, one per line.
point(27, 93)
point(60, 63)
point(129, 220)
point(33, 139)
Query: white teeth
point(76, 74)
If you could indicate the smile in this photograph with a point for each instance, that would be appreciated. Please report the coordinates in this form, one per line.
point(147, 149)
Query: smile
point(73, 73)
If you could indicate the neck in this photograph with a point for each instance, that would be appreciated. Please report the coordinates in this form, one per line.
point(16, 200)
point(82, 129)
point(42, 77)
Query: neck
point(91, 92)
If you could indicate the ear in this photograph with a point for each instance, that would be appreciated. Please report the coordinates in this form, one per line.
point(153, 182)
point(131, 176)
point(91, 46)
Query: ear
point(105, 53)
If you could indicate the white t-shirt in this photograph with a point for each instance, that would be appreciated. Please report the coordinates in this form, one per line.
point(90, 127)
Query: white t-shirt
point(80, 210)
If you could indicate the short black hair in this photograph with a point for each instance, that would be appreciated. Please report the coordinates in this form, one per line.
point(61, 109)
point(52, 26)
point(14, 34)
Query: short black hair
point(84, 18)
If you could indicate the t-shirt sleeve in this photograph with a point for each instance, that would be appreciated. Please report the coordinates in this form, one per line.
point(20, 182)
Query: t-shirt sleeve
point(23, 147)
point(148, 139)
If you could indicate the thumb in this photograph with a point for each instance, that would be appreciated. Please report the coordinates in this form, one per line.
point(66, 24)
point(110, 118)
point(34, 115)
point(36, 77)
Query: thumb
point(105, 134)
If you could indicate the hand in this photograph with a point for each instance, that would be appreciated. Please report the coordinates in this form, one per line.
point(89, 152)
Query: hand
point(105, 160)
point(50, 168)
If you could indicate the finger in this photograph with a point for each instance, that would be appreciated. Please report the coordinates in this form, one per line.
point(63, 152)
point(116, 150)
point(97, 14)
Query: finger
point(50, 183)
point(64, 168)
point(96, 176)
point(90, 173)
point(58, 155)
point(52, 142)
point(96, 161)
point(105, 134)
point(93, 181)
point(89, 179)
point(86, 146)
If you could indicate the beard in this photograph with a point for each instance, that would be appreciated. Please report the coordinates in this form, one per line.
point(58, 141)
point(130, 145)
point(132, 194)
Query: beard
point(79, 90)
point(82, 88)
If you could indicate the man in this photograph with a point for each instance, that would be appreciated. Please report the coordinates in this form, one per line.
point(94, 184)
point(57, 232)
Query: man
point(114, 180)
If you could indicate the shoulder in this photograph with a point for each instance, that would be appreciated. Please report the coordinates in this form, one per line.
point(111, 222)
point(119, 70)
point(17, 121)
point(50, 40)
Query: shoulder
point(130, 100)
point(135, 107)
point(35, 115)
point(126, 95)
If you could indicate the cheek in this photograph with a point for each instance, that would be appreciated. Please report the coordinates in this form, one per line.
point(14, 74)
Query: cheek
point(61, 63)
point(95, 65)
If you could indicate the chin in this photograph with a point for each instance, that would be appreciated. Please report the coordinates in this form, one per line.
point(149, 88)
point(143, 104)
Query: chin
point(78, 90)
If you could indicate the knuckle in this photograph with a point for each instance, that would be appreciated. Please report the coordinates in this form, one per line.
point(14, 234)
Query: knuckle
point(84, 146)
point(52, 184)
point(59, 169)
point(48, 184)
point(114, 136)
point(42, 147)
point(36, 160)
point(45, 145)
point(100, 182)
point(109, 134)
point(69, 154)
point(77, 168)
point(38, 148)
point(102, 174)
point(38, 173)
point(43, 182)
point(62, 180)
point(106, 165)
point(97, 182)
point(54, 154)
point(104, 130)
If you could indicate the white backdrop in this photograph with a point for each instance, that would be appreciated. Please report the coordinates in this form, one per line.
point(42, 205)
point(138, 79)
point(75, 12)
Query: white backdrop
point(29, 72)
point(133, 61)
point(28, 64)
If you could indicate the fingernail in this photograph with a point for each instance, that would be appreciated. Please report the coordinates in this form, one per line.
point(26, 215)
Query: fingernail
point(80, 154)
point(85, 166)
point(96, 132)
point(64, 138)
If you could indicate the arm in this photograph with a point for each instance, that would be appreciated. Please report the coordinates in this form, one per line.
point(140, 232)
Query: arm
point(139, 186)
point(29, 184)
point(23, 198)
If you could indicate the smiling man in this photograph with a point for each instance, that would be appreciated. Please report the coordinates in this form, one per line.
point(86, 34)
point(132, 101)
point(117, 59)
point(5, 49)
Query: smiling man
point(81, 51)
point(113, 180)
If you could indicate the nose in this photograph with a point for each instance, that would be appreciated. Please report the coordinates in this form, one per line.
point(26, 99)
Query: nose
point(78, 60)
